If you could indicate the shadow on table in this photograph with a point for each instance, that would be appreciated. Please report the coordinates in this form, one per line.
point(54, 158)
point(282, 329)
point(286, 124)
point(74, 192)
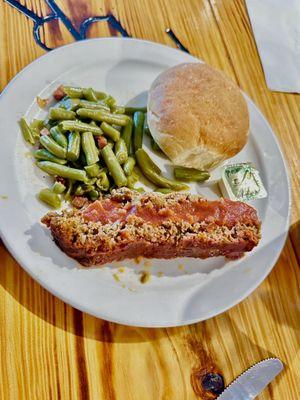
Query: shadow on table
point(252, 352)
point(284, 309)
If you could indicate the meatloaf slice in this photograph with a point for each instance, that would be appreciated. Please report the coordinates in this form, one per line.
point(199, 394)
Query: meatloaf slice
point(127, 224)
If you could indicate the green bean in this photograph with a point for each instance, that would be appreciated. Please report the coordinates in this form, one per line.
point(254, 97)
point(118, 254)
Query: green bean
point(27, 132)
point(128, 166)
point(73, 149)
point(93, 106)
point(103, 182)
point(132, 110)
point(146, 130)
point(45, 155)
point(151, 163)
point(89, 148)
point(36, 126)
point(68, 195)
point(138, 122)
point(132, 180)
point(100, 95)
point(126, 135)
point(63, 171)
point(190, 174)
point(121, 151)
point(118, 127)
point(68, 104)
point(89, 94)
point(50, 198)
point(53, 147)
point(87, 188)
point(80, 127)
point(91, 181)
point(79, 191)
point(92, 170)
point(93, 194)
point(103, 116)
point(109, 101)
point(115, 119)
point(155, 146)
point(118, 110)
point(73, 92)
point(146, 167)
point(109, 131)
point(113, 166)
point(163, 190)
point(58, 136)
point(58, 188)
point(60, 114)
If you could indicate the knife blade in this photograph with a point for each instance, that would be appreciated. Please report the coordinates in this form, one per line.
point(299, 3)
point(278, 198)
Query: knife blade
point(253, 381)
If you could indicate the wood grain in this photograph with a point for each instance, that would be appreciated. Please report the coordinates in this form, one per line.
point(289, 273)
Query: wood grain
point(48, 350)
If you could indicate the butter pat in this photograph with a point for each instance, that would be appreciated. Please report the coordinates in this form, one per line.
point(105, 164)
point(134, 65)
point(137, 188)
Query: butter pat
point(242, 182)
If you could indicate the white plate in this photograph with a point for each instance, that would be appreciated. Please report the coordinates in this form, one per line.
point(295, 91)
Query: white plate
point(190, 289)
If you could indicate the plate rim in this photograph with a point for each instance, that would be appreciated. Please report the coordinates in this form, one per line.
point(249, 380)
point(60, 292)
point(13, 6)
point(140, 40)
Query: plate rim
point(82, 308)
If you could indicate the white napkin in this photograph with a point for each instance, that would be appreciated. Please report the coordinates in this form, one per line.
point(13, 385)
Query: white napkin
point(276, 27)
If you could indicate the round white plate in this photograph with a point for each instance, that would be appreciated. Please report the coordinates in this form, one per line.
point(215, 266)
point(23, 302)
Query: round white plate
point(180, 291)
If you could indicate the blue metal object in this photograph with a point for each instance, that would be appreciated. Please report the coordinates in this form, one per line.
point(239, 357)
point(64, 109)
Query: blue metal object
point(57, 14)
point(176, 40)
point(38, 22)
point(114, 23)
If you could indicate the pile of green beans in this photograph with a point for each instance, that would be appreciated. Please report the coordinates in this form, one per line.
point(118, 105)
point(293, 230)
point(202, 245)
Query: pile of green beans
point(84, 164)
point(69, 149)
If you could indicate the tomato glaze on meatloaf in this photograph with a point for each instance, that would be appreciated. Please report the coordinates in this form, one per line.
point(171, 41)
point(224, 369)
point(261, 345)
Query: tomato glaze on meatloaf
point(127, 224)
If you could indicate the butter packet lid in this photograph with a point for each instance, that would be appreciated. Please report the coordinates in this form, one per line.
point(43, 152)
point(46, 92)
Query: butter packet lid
point(242, 182)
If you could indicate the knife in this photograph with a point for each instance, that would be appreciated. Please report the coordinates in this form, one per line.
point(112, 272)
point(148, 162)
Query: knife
point(253, 381)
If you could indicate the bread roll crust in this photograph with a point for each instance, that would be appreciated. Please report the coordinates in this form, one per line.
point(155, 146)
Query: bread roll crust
point(197, 115)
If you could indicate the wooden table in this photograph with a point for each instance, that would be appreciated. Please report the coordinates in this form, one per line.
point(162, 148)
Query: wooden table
point(49, 350)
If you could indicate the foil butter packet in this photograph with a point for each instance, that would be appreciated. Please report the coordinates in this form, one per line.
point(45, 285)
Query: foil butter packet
point(242, 182)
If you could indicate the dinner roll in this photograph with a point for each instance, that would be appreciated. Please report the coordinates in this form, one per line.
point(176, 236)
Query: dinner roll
point(197, 115)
